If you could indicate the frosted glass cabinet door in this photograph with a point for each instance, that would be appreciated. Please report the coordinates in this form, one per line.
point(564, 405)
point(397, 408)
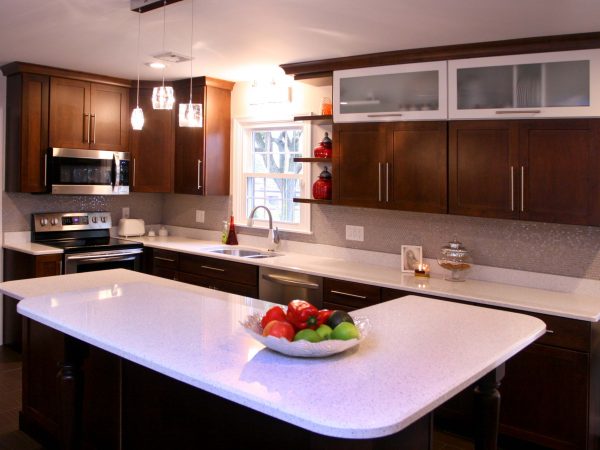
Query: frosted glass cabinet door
point(391, 93)
point(556, 84)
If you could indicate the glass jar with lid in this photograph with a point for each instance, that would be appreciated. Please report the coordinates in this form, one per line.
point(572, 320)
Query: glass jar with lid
point(456, 259)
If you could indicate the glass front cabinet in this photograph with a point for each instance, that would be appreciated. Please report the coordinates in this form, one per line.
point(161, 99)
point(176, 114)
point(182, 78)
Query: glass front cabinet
point(556, 84)
point(391, 93)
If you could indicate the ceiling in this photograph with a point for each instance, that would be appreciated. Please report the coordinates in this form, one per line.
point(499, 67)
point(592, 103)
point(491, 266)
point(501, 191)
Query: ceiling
point(247, 39)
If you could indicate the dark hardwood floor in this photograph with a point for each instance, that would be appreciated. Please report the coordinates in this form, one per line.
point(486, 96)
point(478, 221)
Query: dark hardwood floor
point(10, 403)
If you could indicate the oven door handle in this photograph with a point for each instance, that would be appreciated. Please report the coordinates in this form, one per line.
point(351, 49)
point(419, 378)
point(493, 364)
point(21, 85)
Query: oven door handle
point(105, 256)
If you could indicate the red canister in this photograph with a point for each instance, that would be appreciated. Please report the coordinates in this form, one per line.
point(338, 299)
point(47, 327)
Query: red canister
point(322, 187)
point(323, 150)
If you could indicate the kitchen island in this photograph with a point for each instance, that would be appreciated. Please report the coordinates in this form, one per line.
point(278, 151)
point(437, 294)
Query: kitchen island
point(188, 340)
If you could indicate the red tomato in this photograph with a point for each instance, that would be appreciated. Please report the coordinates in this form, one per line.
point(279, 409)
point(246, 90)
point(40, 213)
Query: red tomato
point(279, 328)
point(274, 313)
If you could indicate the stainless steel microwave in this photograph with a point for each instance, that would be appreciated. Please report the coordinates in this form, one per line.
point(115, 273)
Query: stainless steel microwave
point(87, 172)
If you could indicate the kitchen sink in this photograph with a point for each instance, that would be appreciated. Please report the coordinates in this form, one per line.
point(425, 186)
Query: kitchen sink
point(244, 253)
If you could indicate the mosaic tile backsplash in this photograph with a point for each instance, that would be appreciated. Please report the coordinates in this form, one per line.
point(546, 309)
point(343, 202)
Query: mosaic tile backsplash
point(532, 246)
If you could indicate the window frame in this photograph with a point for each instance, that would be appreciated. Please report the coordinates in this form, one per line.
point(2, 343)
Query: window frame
point(243, 129)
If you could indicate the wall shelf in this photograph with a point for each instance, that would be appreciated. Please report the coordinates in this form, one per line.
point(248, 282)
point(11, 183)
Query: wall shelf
point(319, 119)
point(313, 160)
point(313, 200)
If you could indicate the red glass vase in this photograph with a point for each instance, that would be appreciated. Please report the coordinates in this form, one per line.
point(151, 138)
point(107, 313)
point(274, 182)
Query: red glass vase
point(322, 187)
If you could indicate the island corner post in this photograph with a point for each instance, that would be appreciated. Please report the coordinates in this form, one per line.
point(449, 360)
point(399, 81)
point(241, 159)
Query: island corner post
point(71, 380)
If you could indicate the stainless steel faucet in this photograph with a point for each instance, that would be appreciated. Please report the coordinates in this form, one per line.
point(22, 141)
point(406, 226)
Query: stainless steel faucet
point(273, 236)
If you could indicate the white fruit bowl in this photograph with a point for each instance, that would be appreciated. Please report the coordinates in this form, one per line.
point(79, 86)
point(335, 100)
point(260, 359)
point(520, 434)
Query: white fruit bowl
point(305, 349)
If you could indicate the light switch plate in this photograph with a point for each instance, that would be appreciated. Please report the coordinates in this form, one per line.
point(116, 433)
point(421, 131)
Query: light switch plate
point(199, 216)
point(355, 233)
point(125, 212)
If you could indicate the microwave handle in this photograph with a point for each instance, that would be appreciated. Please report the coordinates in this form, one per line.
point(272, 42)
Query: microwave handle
point(116, 170)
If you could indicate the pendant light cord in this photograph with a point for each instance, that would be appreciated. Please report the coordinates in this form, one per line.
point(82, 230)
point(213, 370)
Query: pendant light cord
point(137, 101)
point(164, 33)
point(192, 52)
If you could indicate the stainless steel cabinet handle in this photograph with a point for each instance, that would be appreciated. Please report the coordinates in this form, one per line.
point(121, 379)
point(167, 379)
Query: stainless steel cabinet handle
point(385, 115)
point(199, 167)
point(549, 331)
point(379, 175)
point(133, 183)
point(213, 268)
point(522, 111)
point(93, 118)
point(347, 294)
point(164, 259)
point(46, 170)
point(387, 182)
point(512, 188)
point(86, 128)
point(522, 188)
point(280, 279)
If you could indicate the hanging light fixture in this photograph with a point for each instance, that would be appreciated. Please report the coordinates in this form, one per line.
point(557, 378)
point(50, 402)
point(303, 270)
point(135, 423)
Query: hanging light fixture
point(162, 96)
point(137, 115)
point(190, 114)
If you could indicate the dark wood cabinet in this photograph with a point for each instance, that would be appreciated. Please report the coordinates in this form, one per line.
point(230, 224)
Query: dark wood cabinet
point(88, 115)
point(27, 102)
point(543, 170)
point(399, 165)
point(213, 273)
point(19, 266)
point(348, 295)
point(359, 156)
point(153, 147)
point(202, 155)
point(418, 160)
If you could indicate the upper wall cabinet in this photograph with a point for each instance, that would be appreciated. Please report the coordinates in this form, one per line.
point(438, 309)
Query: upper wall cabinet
point(556, 84)
point(391, 93)
point(88, 115)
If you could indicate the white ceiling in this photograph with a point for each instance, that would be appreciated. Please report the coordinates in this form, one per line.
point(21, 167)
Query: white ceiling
point(247, 39)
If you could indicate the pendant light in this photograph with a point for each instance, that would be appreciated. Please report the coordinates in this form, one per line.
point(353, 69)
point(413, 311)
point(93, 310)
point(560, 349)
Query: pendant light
point(137, 115)
point(162, 96)
point(190, 114)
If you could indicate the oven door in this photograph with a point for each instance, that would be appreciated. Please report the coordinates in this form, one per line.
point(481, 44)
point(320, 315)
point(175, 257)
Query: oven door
point(104, 260)
point(97, 172)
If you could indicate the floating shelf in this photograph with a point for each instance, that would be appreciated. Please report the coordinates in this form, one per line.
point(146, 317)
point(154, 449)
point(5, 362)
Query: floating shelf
point(312, 200)
point(315, 118)
point(313, 160)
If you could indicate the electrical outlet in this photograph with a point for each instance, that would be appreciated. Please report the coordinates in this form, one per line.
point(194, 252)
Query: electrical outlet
point(199, 216)
point(125, 212)
point(355, 233)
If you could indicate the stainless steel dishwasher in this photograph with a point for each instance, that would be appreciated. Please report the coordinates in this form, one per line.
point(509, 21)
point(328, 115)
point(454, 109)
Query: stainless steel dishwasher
point(282, 286)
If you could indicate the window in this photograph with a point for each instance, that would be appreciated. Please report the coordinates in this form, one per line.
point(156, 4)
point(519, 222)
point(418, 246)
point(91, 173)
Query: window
point(265, 173)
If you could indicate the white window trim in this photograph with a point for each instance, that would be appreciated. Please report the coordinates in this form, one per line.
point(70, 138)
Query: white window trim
point(241, 126)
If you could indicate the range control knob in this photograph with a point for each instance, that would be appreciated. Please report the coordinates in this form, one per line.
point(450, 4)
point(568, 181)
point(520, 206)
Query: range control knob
point(54, 221)
point(103, 219)
point(94, 219)
point(43, 221)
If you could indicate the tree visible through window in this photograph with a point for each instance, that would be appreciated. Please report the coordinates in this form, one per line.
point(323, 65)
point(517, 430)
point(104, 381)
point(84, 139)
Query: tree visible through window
point(270, 176)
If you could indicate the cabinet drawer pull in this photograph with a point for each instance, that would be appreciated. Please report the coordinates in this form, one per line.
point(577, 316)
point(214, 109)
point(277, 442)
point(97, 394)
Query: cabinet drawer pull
point(213, 268)
point(164, 259)
point(512, 188)
point(522, 188)
point(549, 331)
point(199, 167)
point(385, 115)
point(347, 294)
point(523, 111)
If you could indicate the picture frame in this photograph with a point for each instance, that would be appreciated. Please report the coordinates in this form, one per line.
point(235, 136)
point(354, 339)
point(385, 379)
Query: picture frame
point(411, 256)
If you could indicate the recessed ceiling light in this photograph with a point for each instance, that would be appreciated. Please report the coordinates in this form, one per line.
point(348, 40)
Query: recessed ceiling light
point(156, 65)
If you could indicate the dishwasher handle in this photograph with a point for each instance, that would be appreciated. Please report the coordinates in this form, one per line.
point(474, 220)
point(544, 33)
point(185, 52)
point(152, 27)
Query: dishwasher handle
point(280, 279)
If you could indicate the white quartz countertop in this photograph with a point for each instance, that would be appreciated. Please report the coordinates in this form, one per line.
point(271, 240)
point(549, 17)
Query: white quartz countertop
point(563, 304)
point(419, 352)
point(32, 248)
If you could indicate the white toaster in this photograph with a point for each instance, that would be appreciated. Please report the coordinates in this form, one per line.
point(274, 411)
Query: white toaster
point(131, 227)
